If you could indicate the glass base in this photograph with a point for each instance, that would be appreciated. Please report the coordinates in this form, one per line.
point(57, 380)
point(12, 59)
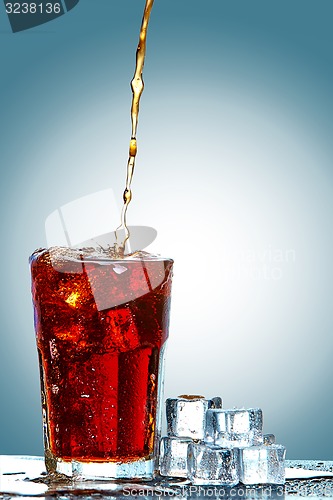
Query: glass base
point(143, 469)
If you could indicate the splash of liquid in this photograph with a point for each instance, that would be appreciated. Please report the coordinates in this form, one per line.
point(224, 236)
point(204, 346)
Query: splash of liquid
point(137, 86)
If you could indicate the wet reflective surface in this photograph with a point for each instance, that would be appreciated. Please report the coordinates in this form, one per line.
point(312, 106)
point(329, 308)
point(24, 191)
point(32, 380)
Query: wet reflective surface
point(23, 476)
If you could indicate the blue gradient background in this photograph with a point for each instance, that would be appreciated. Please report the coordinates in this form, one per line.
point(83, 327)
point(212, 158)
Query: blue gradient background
point(237, 180)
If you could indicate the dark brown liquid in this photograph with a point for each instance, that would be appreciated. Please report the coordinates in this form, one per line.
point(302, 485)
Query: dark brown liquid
point(137, 86)
point(100, 336)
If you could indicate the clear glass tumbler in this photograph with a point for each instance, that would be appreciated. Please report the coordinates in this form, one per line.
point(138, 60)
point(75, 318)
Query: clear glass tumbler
point(101, 327)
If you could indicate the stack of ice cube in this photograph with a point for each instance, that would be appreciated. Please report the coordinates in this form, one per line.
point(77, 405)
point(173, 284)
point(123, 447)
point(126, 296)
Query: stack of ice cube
point(211, 445)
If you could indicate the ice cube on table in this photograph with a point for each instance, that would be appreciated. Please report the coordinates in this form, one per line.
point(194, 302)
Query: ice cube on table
point(209, 464)
point(262, 464)
point(173, 456)
point(269, 439)
point(186, 415)
point(234, 428)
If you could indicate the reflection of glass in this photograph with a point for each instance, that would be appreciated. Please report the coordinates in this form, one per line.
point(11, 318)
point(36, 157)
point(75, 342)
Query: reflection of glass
point(101, 327)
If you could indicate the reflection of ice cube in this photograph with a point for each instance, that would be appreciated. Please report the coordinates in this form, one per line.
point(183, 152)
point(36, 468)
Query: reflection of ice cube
point(269, 439)
point(213, 465)
point(186, 415)
point(173, 456)
point(234, 428)
point(262, 464)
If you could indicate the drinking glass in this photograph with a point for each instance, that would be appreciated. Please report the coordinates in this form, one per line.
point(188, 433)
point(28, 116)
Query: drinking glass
point(101, 328)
